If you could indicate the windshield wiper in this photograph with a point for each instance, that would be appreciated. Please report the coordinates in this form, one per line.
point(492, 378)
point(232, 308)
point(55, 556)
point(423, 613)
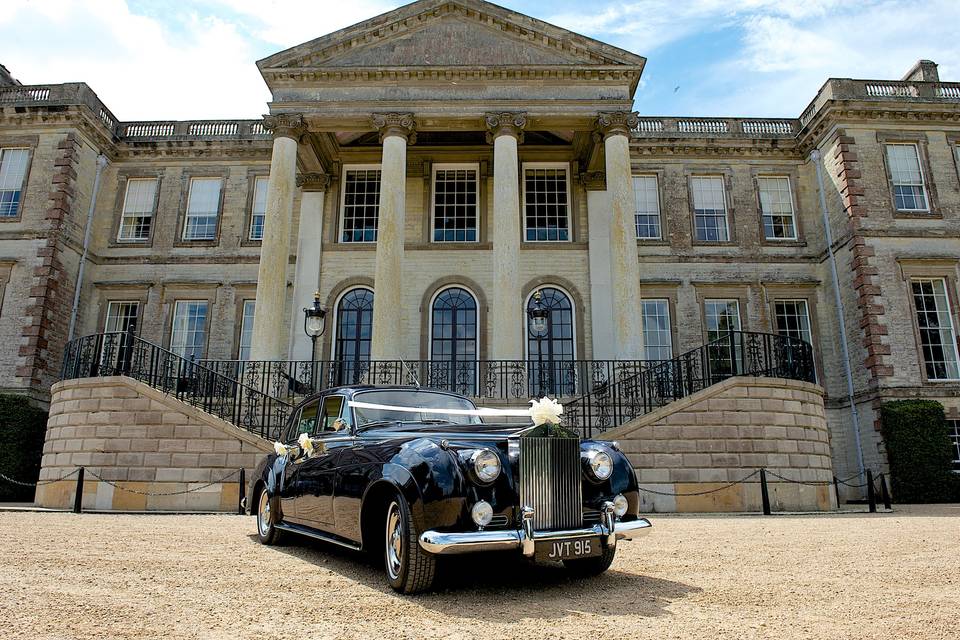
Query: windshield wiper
point(436, 421)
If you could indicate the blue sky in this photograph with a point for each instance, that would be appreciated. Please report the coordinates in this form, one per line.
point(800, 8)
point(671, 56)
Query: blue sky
point(158, 59)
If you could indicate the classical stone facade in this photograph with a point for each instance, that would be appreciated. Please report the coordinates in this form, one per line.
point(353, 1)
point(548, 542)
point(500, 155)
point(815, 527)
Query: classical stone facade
point(511, 164)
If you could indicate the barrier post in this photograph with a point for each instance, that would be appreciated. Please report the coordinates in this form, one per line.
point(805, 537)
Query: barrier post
point(884, 492)
point(836, 490)
point(871, 493)
point(241, 504)
point(764, 494)
point(78, 494)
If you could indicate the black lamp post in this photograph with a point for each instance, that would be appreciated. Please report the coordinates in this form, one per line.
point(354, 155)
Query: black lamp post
point(537, 327)
point(314, 322)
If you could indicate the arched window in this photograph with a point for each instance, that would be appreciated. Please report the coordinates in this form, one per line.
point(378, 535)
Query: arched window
point(552, 351)
point(453, 341)
point(352, 342)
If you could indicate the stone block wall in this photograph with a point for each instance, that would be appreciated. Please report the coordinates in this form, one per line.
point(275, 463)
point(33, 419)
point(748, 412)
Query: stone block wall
point(723, 434)
point(139, 441)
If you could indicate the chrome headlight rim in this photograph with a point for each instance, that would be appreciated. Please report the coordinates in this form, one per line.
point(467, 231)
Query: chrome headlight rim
point(595, 460)
point(481, 513)
point(481, 460)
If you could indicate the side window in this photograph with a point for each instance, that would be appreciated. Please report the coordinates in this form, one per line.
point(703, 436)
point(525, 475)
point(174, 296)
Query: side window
point(332, 406)
point(307, 421)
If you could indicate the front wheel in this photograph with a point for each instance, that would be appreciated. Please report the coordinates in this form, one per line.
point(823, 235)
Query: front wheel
point(586, 567)
point(267, 517)
point(410, 569)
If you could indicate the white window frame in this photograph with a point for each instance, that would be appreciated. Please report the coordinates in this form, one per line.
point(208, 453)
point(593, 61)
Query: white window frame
point(246, 332)
point(257, 180)
point(923, 178)
point(669, 331)
point(468, 166)
point(636, 206)
point(806, 310)
point(706, 315)
point(726, 206)
point(523, 197)
point(952, 327)
point(954, 435)
point(23, 179)
point(112, 304)
point(343, 199)
point(150, 214)
point(764, 214)
point(173, 326)
point(187, 216)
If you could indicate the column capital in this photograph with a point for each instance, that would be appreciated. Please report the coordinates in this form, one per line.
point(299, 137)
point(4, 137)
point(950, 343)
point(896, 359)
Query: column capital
point(313, 181)
point(285, 125)
point(594, 180)
point(396, 124)
point(612, 123)
point(505, 123)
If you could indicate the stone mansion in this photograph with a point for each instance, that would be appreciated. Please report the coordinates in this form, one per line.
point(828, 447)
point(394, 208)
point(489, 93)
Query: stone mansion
point(436, 171)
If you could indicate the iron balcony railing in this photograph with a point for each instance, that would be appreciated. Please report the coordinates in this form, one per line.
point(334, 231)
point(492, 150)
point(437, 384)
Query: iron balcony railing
point(123, 353)
point(736, 353)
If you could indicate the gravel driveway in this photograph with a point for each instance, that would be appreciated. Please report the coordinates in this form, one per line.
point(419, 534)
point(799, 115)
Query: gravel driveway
point(154, 576)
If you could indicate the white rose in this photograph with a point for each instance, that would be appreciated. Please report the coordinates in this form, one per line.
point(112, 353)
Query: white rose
point(306, 444)
point(545, 411)
point(279, 448)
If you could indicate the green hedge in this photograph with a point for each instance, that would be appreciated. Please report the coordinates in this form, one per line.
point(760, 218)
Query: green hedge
point(22, 430)
point(915, 432)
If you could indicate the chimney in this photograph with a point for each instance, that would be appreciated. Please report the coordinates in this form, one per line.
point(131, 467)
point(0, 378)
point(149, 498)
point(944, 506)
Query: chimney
point(923, 71)
point(6, 80)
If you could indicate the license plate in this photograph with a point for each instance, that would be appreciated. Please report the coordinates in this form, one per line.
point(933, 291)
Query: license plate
point(568, 549)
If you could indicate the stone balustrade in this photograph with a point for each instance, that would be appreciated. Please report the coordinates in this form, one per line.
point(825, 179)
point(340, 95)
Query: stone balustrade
point(716, 127)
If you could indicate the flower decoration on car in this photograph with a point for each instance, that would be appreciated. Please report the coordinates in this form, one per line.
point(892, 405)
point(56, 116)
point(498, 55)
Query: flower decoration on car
point(281, 449)
point(545, 411)
point(306, 444)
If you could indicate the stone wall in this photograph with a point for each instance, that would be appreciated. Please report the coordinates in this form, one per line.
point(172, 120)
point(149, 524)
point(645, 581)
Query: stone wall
point(144, 442)
point(724, 433)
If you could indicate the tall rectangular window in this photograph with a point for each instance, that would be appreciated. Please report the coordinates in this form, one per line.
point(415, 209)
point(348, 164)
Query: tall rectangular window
point(13, 170)
point(246, 330)
point(953, 431)
point(188, 335)
point(723, 316)
point(546, 203)
point(455, 197)
point(938, 340)
point(258, 211)
point(793, 319)
point(360, 205)
point(120, 315)
point(647, 198)
point(203, 207)
point(725, 357)
point(909, 191)
point(136, 221)
point(776, 206)
point(657, 339)
point(709, 209)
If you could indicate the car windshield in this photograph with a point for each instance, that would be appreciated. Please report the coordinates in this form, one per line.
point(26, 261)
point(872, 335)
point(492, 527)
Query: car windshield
point(414, 399)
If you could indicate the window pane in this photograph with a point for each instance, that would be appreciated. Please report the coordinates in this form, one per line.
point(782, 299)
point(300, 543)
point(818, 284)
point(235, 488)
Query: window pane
point(120, 315)
point(647, 199)
point(455, 205)
point(453, 342)
point(776, 205)
point(551, 353)
point(259, 210)
point(722, 318)
point(908, 188)
point(793, 319)
point(188, 336)
point(246, 329)
point(361, 205)
point(203, 205)
point(709, 209)
point(137, 217)
point(13, 169)
point(545, 205)
point(935, 324)
point(354, 329)
point(657, 340)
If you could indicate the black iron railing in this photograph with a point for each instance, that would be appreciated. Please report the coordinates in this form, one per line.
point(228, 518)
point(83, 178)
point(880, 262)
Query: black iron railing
point(738, 353)
point(123, 353)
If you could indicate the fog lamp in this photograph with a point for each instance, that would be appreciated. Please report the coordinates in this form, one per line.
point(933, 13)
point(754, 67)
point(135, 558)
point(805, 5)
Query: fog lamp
point(620, 505)
point(482, 513)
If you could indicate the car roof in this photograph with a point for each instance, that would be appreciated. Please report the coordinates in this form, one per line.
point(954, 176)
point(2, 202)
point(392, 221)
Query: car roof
point(353, 389)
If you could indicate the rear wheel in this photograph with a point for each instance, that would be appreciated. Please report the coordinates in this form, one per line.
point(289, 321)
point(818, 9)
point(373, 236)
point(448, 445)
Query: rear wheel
point(409, 568)
point(586, 567)
point(267, 516)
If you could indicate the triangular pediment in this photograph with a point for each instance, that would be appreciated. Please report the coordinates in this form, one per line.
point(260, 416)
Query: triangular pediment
point(451, 33)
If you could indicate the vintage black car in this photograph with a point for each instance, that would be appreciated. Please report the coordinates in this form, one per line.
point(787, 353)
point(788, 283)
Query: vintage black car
point(413, 486)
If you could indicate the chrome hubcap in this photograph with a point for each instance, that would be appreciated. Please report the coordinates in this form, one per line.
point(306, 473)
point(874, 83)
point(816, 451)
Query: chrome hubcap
point(394, 540)
point(263, 514)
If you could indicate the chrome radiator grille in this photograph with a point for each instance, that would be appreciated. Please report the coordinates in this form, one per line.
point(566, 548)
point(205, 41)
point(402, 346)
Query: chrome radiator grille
point(550, 482)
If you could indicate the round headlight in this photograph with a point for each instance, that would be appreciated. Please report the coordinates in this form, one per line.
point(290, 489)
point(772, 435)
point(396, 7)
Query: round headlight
point(482, 513)
point(620, 505)
point(600, 464)
point(486, 465)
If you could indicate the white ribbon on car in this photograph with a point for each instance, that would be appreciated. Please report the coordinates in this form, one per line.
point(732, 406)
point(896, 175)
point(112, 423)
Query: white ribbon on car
point(455, 412)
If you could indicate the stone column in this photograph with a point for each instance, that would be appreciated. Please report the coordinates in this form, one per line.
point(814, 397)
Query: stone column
point(506, 300)
point(268, 341)
point(396, 130)
point(309, 246)
point(624, 266)
point(601, 295)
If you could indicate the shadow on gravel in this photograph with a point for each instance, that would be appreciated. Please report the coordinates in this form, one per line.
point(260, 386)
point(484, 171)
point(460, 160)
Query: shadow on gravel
point(487, 586)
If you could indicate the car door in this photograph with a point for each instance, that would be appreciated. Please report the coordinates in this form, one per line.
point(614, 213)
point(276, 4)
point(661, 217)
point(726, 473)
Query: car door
point(316, 474)
point(287, 469)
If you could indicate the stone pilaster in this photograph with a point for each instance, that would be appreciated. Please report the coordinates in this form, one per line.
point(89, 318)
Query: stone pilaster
point(396, 130)
point(268, 341)
point(306, 280)
point(505, 130)
point(601, 295)
point(615, 128)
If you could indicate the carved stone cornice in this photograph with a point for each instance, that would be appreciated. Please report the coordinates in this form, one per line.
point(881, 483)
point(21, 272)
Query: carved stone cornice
point(285, 125)
point(505, 123)
point(613, 123)
point(594, 180)
point(396, 124)
point(313, 181)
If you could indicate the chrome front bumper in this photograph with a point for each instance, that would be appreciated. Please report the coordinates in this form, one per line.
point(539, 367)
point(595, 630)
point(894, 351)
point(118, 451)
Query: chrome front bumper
point(524, 539)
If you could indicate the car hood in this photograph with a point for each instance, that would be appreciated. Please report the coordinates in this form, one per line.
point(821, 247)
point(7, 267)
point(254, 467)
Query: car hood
point(484, 431)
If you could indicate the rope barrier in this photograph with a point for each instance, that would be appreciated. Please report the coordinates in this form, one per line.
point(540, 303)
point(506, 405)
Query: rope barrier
point(163, 493)
point(700, 493)
point(39, 482)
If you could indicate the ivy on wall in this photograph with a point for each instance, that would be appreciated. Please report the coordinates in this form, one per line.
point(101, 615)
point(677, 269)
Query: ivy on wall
point(22, 430)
